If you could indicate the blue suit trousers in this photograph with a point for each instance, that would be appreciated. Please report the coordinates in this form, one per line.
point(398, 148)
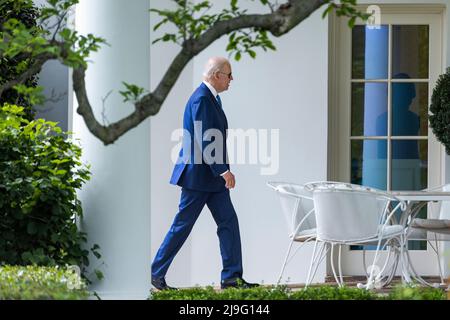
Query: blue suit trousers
point(191, 204)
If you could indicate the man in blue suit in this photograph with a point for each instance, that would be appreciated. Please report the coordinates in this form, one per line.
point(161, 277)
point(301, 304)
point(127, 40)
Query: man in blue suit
point(204, 174)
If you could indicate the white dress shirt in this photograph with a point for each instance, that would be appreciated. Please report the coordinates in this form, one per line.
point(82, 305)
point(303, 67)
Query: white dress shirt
point(211, 88)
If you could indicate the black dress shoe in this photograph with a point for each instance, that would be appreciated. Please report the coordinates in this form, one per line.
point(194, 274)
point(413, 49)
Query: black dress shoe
point(237, 283)
point(161, 284)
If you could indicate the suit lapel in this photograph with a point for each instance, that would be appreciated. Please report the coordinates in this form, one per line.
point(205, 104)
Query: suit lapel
point(215, 102)
point(210, 95)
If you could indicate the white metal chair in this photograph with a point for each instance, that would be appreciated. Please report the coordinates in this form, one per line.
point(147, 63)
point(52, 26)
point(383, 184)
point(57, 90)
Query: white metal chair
point(433, 230)
point(348, 214)
point(298, 209)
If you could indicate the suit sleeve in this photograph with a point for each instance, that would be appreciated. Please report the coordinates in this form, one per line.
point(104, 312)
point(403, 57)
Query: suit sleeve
point(204, 112)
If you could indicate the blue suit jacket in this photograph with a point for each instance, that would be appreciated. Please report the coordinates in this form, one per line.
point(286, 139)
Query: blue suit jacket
point(192, 170)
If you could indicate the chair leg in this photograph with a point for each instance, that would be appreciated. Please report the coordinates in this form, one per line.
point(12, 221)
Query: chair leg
point(298, 248)
point(411, 271)
point(340, 265)
point(332, 266)
point(311, 265)
point(391, 273)
point(394, 266)
point(285, 261)
point(370, 282)
point(379, 277)
point(404, 262)
point(394, 249)
point(438, 255)
point(319, 260)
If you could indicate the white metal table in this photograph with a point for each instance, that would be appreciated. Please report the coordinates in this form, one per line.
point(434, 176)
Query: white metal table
point(415, 201)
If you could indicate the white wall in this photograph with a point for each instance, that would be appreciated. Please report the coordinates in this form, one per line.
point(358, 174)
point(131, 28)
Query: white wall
point(116, 201)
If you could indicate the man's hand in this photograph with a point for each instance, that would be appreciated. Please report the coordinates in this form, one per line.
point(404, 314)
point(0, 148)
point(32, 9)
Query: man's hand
point(229, 180)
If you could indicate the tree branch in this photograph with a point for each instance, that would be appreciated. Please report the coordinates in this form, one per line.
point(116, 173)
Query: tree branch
point(39, 60)
point(109, 134)
point(279, 22)
point(59, 24)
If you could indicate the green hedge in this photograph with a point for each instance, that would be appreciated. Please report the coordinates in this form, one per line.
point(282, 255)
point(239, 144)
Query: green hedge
point(440, 110)
point(411, 293)
point(324, 292)
point(40, 173)
point(41, 283)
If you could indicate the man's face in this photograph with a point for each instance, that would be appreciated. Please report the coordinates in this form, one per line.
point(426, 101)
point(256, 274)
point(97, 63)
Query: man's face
point(224, 78)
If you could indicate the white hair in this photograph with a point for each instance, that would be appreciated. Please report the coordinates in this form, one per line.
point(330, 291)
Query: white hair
point(214, 65)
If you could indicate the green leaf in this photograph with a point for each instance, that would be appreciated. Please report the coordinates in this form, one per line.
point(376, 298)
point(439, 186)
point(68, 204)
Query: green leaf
point(27, 256)
point(328, 10)
point(159, 24)
point(231, 46)
point(99, 274)
point(233, 5)
point(65, 33)
point(351, 22)
point(32, 228)
point(133, 92)
point(271, 46)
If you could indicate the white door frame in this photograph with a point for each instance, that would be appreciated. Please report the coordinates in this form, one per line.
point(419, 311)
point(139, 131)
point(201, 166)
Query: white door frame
point(339, 111)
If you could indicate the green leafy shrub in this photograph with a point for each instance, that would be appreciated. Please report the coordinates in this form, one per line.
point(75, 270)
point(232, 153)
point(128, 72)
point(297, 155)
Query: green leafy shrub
point(440, 110)
point(324, 292)
point(209, 293)
point(417, 293)
point(40, 171)
point(334, 293)
point(258, 293)
point(11, 67)
point(41, 283)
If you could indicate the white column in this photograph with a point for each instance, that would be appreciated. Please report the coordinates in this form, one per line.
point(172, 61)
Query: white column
point(116, 201)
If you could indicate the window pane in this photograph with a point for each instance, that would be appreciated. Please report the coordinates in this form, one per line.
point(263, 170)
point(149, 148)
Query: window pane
point(410, 51)
point(369, 109)
point(370, 52)
point(368, 163)
point(409, 164)
point(409, 109)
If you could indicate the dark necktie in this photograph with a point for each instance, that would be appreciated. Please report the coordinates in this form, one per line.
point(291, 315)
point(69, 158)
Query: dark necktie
point(219, 101)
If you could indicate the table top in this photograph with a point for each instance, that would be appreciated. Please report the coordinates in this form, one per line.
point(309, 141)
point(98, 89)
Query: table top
point(415, 195)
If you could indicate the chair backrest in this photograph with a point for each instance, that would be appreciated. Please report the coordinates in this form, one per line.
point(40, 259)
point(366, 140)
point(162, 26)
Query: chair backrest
point(345, 213)
point(296, 203)
point(440, 210)
point(431, 229)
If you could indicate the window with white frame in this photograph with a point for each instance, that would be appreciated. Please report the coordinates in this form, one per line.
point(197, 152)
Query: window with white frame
point(381, 81)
